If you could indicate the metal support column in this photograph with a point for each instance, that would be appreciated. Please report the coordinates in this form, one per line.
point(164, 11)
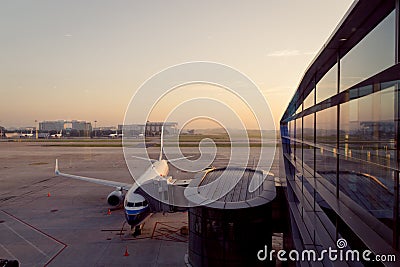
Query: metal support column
point(338, 126)
point(396, 220)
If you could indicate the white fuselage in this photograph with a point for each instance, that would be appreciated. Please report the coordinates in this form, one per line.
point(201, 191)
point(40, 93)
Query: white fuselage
point(135, 205)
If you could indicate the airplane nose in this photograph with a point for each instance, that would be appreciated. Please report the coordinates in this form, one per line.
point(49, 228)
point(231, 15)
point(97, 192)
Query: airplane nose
point(136, 217)
point(131, 219)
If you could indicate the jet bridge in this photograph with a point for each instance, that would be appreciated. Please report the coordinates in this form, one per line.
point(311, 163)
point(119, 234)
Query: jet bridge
point(236, 224)
point(165, 195)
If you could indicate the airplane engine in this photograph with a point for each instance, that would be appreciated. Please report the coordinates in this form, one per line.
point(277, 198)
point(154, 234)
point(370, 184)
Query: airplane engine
point(115, 198)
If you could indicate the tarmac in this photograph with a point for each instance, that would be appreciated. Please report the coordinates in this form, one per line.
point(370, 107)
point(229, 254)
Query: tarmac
point(47, 220)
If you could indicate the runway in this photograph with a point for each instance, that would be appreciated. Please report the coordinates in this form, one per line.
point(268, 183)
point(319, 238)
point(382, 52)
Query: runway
point(53, 221)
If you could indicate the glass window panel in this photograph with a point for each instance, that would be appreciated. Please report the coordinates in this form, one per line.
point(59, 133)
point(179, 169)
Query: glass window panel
point(325, 160)
point(291, 129)
point(367, 149)
point(373, 54)
point(369, 185)
point(325, 154)
point(367, 129)
point(326, 127)
point(298, 151)
point(298, 129)
point(308, 132)
point(327, 86)
point(290, 142)
point(309, 101)
point(308, 156)
point(299, 109)
point(292, 149)
point(365, 90)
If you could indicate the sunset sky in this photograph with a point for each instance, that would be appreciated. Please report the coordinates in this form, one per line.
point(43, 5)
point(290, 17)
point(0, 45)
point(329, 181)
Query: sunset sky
point(85, 59)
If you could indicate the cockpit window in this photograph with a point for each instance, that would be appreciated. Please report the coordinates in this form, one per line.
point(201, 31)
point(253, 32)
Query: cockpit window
point(137, 204)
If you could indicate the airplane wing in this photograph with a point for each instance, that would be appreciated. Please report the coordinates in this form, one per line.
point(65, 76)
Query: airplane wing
point(176, 159)
point(93, 180)
point(143, 158)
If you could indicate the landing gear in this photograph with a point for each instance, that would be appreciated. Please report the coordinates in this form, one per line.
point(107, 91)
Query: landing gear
point(137, 230)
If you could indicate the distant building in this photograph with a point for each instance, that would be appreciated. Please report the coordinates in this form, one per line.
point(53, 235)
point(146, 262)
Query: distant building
point(105, 128)
point(132, 129)
point(154, 128)
point(69, 128)
point(51, 125)
point(64, 125)
point(105, 131)
point(2, 131)
point(149, 129)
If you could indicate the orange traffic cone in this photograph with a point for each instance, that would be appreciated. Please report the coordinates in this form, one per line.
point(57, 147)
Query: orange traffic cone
point(126, 252)
point(109, 212)
point(48, 194)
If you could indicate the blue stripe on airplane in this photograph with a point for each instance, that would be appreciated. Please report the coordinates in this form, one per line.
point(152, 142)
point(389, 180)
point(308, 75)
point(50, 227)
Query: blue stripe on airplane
point(135, 212)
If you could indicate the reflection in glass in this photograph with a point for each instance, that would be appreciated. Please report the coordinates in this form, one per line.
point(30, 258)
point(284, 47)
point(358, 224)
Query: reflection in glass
point(367, 129)
point(373, 54)
point(299, 109)
point(326, 156)
point(309, 101)
point(326, 127)
point(298, 129)
point(308, 136)
point(299, 137)
point(367, 133)
point(291, 129)
point(327, 86)
point(298, 151)
point(308, 130)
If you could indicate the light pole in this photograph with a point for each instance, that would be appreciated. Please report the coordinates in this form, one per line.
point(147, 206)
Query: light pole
point(36, 126)
point(95, 133)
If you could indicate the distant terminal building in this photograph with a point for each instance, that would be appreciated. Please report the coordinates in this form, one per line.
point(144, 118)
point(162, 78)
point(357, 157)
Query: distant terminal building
point(105, 128)
point(149, 129)
point(154, 128)
point(106, 131)
point(2, 131)
point(132, 130)
point(64, 125)
point(68, 128)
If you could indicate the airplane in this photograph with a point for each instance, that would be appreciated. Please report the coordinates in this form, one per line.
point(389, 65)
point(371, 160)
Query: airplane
point(29, 135)
point(13, 135)
point(115, 135)
point(57, 135)
point(136, 207)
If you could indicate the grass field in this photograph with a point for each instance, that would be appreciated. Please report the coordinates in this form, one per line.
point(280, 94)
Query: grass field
point(220, 140)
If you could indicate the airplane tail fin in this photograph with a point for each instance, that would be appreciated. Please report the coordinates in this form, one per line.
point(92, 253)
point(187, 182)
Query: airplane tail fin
point(56, 171)
point(162, 143)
